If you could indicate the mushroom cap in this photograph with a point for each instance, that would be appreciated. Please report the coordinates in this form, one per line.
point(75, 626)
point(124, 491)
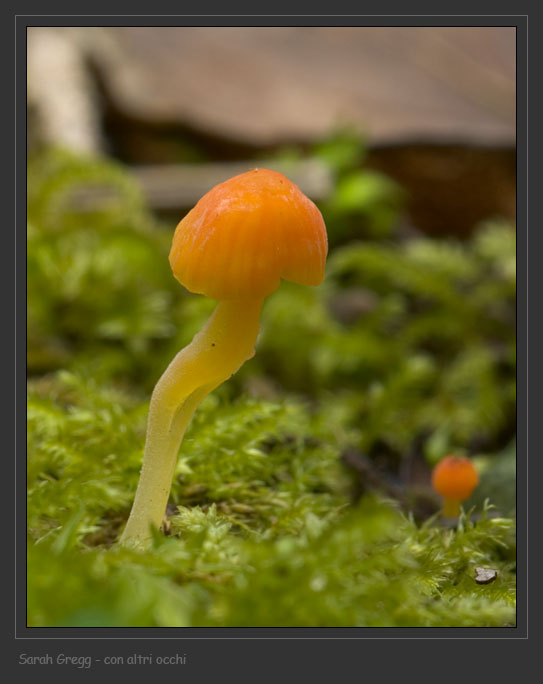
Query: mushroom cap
point(247, 233)
point(455, 478)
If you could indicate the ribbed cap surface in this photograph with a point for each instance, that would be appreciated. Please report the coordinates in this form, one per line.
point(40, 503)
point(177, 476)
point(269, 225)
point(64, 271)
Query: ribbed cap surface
point(247, 233)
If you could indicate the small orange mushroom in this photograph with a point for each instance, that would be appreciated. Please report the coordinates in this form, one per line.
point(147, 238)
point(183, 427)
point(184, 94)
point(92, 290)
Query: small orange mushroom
point(454, 478)
point(235, 245)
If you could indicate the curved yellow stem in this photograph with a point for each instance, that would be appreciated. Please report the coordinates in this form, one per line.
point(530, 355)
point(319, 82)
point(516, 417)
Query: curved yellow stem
point(214, 355)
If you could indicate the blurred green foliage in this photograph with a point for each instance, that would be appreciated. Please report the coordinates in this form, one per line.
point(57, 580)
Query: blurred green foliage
point(373, 567)
point(498, 480)
point(363, 202)
point(405, 353)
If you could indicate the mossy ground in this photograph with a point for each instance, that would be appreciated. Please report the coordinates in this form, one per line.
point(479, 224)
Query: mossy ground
point(404, 354)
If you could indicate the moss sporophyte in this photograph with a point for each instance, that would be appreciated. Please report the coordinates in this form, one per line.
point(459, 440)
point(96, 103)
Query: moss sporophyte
point(235, 246)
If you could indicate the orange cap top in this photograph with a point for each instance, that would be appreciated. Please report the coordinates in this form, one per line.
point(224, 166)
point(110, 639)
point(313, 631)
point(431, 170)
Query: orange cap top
point(455, 478)
point(247, 233)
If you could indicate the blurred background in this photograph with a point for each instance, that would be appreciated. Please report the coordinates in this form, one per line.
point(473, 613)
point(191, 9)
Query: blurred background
point(436, 107)
point(405, 138)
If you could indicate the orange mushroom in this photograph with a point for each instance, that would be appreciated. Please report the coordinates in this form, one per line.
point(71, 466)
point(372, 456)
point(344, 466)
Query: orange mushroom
point(235, 245)
point(455, 478)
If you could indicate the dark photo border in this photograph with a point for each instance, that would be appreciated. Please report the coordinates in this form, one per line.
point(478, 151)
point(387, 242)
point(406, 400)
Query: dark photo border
point(226, 650)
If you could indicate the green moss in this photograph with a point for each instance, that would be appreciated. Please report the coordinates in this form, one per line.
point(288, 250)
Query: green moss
point(263, 463)
point(405, 353)
point(368, 567)
point(264, 532)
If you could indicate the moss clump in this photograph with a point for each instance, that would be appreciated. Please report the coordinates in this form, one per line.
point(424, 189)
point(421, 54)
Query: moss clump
point(369, 566)
point(404, 354)
point(264, 532)
point(265, 464)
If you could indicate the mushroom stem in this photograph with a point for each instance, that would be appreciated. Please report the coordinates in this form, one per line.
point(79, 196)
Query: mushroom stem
point(214, 355)
point(451, 508)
